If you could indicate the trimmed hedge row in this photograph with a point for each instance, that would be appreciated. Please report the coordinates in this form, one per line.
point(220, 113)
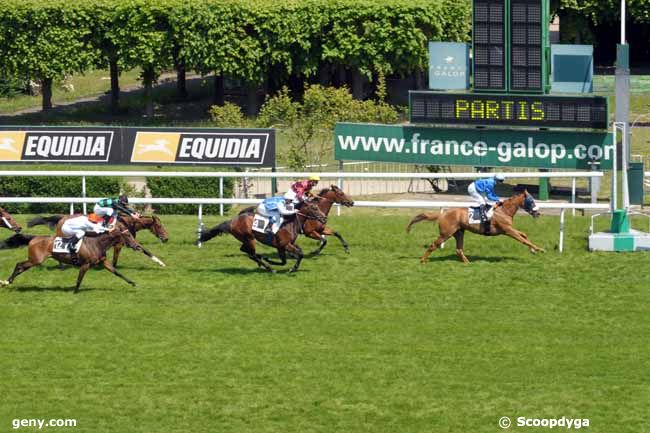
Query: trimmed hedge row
point(247, 40)
point(20, 186)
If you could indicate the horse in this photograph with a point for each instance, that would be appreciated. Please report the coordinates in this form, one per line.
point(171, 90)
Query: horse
point(7, 221)
point(241, 227)
point(455, 221)
point(151, 223)
point(91, 253)
point(313, 228)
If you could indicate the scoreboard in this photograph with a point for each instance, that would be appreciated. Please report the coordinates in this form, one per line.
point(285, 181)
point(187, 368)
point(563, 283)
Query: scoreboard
point(508, 110)
point(526, 46)
point(489, 44)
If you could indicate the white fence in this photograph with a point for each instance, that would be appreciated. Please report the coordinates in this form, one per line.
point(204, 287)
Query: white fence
point(338, 176)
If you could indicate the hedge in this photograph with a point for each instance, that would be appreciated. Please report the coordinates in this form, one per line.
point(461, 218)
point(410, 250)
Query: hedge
point(188, 187)
point(20, 186)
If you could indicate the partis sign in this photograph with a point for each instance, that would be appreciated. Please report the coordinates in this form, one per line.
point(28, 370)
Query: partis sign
point(55, 145)
point(226, 147)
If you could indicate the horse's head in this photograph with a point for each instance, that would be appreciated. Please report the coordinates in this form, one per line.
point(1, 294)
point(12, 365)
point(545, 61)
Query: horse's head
point(157, 229)
point(8, 221)
point(529, 204)
point(337, 195)
point(312, 211)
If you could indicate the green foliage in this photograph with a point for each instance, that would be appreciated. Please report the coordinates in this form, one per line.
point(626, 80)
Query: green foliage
point(187, 187)
point(228, 116)
point(311, 121)
point(23, 186)
point(10, 86)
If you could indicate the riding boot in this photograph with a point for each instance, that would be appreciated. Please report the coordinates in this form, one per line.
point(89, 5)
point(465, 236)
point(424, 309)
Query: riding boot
point(484, 218)
point(74, 258)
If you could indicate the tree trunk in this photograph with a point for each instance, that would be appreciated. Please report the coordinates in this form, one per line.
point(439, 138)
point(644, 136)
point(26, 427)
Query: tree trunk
point(181, 83)
point(115, 86)
point(357, 84)
point(219, 97)
point(251, 99)
point(46, 89)
point(147, 78)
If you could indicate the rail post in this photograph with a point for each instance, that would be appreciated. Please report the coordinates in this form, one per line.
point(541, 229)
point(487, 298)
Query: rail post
point(199, 230)
point(83, 193)
point(339, 183)
point(221, 195)
point(561, 246)
point(573, 195)
point(71, 208)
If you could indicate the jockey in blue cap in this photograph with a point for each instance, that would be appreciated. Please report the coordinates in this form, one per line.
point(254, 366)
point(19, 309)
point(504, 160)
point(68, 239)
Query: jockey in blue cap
point(483, 187)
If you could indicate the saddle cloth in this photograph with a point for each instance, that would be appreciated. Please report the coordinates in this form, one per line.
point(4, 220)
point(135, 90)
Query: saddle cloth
point(260, 223)
point(61, 245)
point(474, 214)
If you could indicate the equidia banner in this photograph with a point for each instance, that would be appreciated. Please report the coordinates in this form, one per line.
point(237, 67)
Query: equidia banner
point(228, 147)
point(476, 147)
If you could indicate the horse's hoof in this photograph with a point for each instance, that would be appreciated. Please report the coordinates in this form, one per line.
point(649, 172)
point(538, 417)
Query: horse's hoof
point(4, 283)
point(423, 262)
point(533, 251)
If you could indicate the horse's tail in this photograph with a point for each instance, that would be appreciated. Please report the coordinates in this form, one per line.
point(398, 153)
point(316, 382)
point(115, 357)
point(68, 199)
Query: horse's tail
point(217, 230)
point(16, 241)
point(426, 216)
point(51, 221)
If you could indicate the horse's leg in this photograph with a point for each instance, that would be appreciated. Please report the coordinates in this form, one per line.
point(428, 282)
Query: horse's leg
point(19, 269)
point(82, 271)
point(523, 238)
point(248, 247)
point(460, 237)
point(112, 270)
point(297, 252)
point(116, 253)
point(329, 232)
point(434, 246)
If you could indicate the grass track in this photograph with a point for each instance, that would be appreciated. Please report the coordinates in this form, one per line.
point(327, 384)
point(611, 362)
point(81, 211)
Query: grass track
point(370, 342)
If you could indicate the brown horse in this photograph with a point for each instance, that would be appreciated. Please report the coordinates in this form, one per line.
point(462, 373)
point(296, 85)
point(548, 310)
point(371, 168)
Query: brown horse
point(8, 222)
point(313, 228)
point(241, 227)
point(92, 253)
point(151, 223)
point(455, 221)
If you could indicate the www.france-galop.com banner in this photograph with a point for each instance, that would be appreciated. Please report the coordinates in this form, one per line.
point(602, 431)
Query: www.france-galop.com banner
point(476, 147)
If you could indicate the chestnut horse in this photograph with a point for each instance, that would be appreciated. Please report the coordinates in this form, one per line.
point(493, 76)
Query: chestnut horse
point(8, 222)
point(92, 253)
point(241, 227)
point(315, 229)
point(455, 221)
point(151, 223)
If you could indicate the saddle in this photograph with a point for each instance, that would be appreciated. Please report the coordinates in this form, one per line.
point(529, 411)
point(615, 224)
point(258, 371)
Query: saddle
point(61, 245)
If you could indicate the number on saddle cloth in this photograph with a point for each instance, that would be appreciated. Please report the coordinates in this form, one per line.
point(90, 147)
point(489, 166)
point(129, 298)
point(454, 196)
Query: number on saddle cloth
point(61, 245)
point(474, 214)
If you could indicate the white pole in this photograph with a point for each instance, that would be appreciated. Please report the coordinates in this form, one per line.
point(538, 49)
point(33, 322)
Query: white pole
point(442, 210)
point(83, 192)
point(612, 199)
point(622, 22)
point(199, 230)
point(561, 246)
point(71, 208)
point(221, 195)
point(573, 194)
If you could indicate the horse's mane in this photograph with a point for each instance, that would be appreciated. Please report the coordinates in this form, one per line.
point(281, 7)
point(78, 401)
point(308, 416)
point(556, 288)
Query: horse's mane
point(324, 190)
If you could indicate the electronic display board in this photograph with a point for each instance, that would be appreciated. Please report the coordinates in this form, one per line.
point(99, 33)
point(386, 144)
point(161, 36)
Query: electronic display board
point(526, 53)
point(489, 50)
point(511, 110)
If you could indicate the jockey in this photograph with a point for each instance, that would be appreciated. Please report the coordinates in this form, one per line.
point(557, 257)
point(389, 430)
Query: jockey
point(485, 187)
point(298, 190)
point(76, 228)
point(107, 207)
point(276, 208)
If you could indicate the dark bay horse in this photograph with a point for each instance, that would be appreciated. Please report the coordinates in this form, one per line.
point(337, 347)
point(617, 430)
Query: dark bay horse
point(455, 221)
point(92, 253)
point(8, 222)
point(151, 223)
point(314, 229)
point(241, 227)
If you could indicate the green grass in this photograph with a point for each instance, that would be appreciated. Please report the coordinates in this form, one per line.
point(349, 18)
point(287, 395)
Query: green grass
point(93, 83)
point(367, 342)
